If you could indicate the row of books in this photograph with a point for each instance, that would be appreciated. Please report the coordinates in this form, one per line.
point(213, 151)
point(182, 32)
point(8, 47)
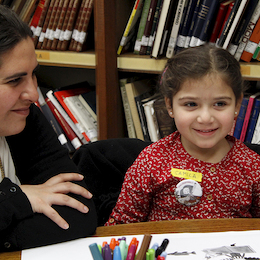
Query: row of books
point(72, 114)
point(145, 112)
point(58, 24)
point(247, 124)
point(161, 28)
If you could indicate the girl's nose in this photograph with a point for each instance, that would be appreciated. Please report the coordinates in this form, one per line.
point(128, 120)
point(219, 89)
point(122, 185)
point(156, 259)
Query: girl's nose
point(205, 116)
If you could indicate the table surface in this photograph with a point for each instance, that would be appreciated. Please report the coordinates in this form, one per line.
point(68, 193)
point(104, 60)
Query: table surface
point(172, 226)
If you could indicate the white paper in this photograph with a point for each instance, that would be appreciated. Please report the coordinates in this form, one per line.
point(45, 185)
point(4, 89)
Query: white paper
point(191, 243)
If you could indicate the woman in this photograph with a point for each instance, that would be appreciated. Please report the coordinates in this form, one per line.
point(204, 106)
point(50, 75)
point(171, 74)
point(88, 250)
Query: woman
point(36, 172)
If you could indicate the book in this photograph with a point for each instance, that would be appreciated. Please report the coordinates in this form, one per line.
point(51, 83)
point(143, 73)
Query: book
point(64, 125)
point(49, 29)
point(186, 25)
point(141, 26)
point(38, 29)
point(17, 6)
point(192, 24)
point(61, 110)
point(82, 35)
point(241, 117)
point(165, 13)
point(128, 116)
point(252, 121)
point(252, 43)
point(134, 89)
point(206, 15)
point(57, 32)
point(154, 26)
point(53, 122)
point(65, 24)
point(54, 25)
point(232, 47)
point(222, 11)
point(165, 122)
point(232, 23)
point(152, 123)
point(256, 53)
point(45, 24)
point(248, 115)
point(78, 25)
point(28, 10)
point(61, 95)
point(70, 25)
point(175, 28)
point(133, 19)
point(148, 27)
point(83, 116)
point(37, 15)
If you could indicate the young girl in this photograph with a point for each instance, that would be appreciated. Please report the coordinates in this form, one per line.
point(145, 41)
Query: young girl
point(198, 171)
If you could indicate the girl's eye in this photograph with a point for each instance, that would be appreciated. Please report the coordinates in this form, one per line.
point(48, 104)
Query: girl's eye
point(220, 104)
point(190, 104)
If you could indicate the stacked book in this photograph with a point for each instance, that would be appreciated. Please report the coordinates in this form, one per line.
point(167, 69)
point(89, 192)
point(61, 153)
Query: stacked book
point(58, 24)
point(72, 114)
point(161, 28)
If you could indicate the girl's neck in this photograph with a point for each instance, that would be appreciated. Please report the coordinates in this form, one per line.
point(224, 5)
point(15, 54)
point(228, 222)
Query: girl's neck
point(210, 155)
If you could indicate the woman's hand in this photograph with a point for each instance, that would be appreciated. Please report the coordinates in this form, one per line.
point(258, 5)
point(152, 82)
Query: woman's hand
point(53, 192)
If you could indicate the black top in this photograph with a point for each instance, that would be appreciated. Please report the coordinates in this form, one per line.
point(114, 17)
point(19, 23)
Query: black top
point(37, 156)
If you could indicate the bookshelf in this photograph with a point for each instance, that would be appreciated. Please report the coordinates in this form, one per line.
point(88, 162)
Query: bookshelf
point(110, 18)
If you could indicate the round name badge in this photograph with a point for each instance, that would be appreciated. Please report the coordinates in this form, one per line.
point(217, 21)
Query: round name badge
point(188, 192)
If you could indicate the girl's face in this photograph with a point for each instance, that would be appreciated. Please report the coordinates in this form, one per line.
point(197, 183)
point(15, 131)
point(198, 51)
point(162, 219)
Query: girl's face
point(18, 87)
point(204, 112)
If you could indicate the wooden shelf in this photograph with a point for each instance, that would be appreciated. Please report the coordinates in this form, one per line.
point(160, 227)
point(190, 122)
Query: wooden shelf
point(67, 59)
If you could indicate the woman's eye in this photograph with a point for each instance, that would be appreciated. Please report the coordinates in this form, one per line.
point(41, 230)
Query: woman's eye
point(14, 81)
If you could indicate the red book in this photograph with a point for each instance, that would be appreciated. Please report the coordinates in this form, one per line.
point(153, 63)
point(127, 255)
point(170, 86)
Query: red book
point(64, 125)
point(61, 96)
point(41, 21)
point(247, 116)
point(45, 24)
point(83, 33)
point(70, 25)
point(219, 20)
point(252, 43)
point(57, 32)
point(36, 17)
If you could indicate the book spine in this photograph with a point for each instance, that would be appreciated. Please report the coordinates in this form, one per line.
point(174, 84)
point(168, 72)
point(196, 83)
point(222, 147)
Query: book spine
point(128, 115)
point(256, 135)
point(241, 117)
point(65, 24)
point(78, 25)
point(175, 29)
point(64, 125)
point(83, 116)
point(152, 124)
point(252, 43)
point(58, 29)
point(83, 33)
point(40, 23)
point(45, 25)
point(252, 121)
point(141, 27)
point(154, 26)
point(186, 25)
point(131, 22)
point(70, 25)
point(148, 27)
point(61, 110)
point(37, 15)
point(50, 25)
point(232, 47)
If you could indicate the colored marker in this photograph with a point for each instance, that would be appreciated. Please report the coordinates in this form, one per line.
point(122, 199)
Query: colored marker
point(117, 253)
point(131, 252)
point(123, 249)
point(150, 254)
point(107, 252)
point(95, 252)
point(164, 254)
point(112, 243)
point(155, 246)
point(162, 247)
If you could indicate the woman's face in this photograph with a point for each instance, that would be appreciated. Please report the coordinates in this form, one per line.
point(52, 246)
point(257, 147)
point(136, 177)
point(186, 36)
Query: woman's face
point(18, 86)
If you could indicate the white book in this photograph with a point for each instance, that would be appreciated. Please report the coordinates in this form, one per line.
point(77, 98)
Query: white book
point(83, 116)
point(151, 119)
point(175, 28)
point(61, 110)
